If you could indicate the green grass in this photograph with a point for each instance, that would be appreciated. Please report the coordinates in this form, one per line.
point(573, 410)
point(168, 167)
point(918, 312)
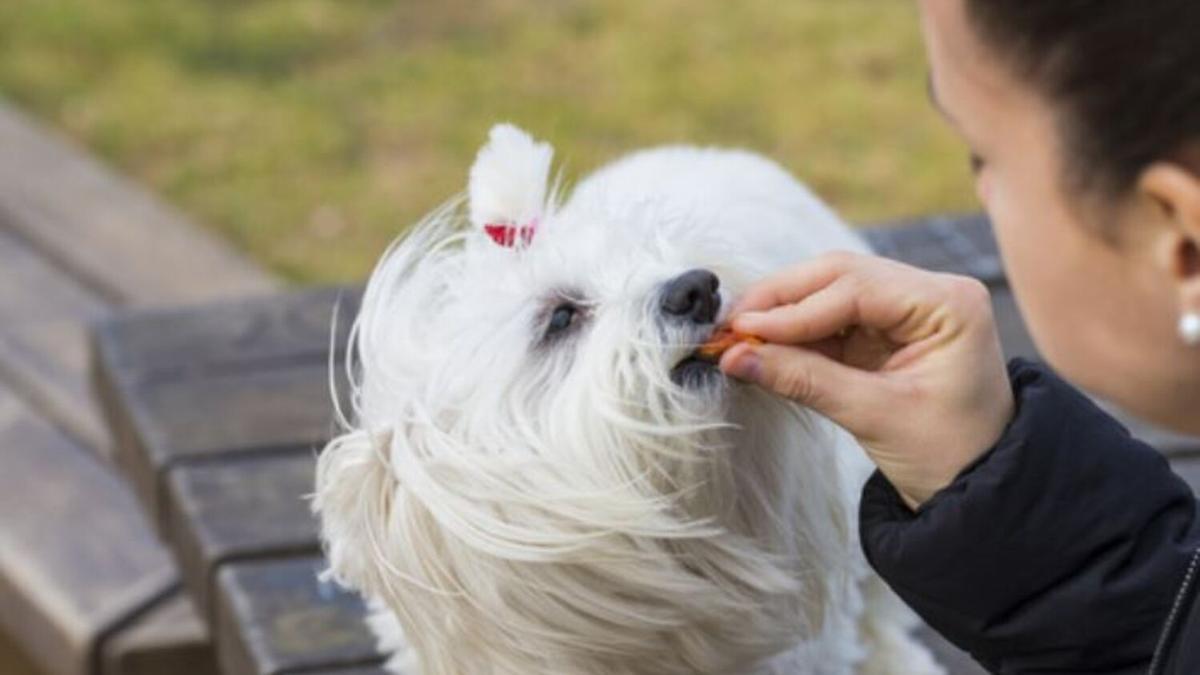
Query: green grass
point(311, 132)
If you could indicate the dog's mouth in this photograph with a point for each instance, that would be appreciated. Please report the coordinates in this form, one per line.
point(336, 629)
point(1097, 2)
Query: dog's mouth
point(699, 367)
point(695, 371)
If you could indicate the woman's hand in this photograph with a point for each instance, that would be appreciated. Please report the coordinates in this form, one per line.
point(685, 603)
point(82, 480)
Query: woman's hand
point(908, 361)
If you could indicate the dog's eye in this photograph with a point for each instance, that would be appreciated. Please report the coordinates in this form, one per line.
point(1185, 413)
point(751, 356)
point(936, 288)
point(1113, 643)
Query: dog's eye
point(561, 319)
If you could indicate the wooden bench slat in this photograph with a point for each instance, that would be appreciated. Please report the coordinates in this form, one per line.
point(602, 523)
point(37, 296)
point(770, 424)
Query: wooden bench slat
point(359, 670)
point(228, 378)
point(34, 290)
point(110, 233)
point(1014, 337)
point(1169, 442)
point(15, 659)
point(258, 409)
point(76, 240)
point(43, 342)
point(955, 244)
point(1188, 468)
point(48, 364)
point(173, 421)
point(168, 638)
point(76, 557)
point(228, 335)
point(252, 506)
point(275, 616)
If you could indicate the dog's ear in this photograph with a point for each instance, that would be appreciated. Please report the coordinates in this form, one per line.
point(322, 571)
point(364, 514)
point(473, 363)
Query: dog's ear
point(354, 494)
point(509, 188)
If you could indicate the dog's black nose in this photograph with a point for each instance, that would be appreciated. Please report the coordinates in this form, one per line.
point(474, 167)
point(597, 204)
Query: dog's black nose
point(693, 295)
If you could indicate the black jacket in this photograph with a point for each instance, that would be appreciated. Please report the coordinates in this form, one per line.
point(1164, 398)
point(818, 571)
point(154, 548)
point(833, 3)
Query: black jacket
point(1069, 547)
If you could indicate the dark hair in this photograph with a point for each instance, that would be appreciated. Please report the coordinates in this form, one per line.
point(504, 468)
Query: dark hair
point(1124, 76)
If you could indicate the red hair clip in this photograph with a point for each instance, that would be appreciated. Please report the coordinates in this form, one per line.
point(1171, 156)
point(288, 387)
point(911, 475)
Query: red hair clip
point(508, 235)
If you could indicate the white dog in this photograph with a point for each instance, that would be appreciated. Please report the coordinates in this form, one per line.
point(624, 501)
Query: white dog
point(540, 479)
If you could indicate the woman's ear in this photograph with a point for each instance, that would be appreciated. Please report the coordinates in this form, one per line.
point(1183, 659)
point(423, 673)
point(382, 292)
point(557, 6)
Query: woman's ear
point(1173, 192)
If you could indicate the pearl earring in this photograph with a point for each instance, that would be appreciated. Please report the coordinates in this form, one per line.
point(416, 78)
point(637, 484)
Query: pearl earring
point(1189, 328)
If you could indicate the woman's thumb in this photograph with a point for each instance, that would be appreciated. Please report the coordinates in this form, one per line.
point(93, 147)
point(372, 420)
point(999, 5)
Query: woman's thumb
point(808, 377)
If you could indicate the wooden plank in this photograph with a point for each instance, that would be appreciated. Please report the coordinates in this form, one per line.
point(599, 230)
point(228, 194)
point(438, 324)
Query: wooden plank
point(47, 363)
point(228, 378)
point(170, 421)
point(168, 638)
point(110, 233)
point(1014, 337)
point(76, 557)
point(43, 341)
point(228, 335)
point(1188, 468)
point(353, 670)
point(14, 660)
point(1167, 442)
point(243, 507)
point(44, 314)
point(74, 240)
point(954, 244)
point(275, 616)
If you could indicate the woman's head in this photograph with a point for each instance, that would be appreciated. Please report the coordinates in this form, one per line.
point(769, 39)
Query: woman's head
point(1123, 76)
point(1083, 120)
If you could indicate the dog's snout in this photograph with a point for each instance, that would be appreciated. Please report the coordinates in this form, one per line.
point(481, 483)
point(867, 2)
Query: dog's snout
point(693, 295)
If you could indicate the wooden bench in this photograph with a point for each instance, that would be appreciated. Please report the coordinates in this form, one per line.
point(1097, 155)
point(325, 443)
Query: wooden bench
point(219, 413)
point(85, 586)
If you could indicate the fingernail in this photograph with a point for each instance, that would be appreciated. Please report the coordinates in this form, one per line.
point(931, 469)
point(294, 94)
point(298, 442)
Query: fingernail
point(746, 367)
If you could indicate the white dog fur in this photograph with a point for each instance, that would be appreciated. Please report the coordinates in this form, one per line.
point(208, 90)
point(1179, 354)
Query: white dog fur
point(517, 504)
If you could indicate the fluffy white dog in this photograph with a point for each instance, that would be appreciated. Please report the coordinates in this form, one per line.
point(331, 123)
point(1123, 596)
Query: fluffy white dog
point(540, 478)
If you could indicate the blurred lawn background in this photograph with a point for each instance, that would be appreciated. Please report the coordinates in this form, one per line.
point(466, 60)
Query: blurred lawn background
point(311, 132)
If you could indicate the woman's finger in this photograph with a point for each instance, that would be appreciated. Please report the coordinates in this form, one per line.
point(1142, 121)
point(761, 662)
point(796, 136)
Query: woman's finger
point(822, 315)
point(795, 283)
point(904, 304)
point(847, 395)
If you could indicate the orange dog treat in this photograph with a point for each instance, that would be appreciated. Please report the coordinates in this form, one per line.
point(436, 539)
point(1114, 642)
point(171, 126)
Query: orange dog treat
point(721, 341)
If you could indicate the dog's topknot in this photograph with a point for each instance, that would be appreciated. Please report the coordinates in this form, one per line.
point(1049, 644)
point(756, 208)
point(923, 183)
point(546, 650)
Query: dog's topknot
point(509, 182)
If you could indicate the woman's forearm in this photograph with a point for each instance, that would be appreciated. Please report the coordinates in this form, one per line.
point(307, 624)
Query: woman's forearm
point(1063, 548)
